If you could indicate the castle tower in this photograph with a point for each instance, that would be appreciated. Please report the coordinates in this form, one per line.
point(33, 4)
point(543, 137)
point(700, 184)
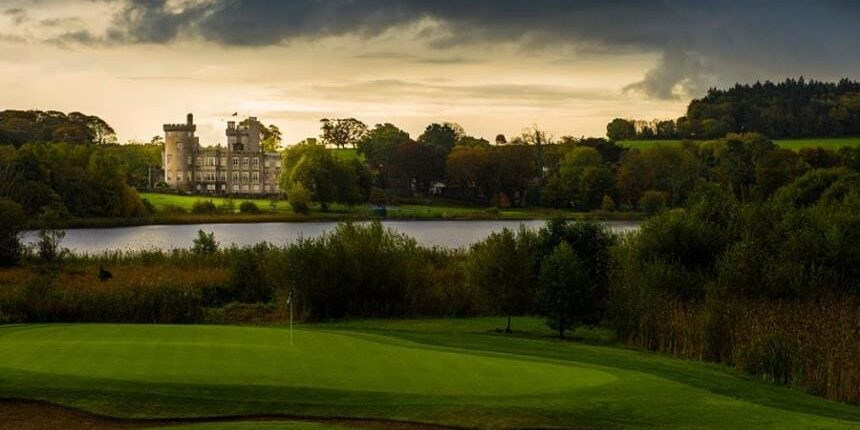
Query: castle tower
point(180, 149)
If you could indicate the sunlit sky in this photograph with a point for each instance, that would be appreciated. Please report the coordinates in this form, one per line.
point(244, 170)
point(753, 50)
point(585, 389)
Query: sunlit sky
point(493, 66)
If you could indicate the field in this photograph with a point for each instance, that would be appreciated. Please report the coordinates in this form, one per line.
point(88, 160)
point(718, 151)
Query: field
point(793, 144)
point(458, 373)
point(347, 153)
point(279, 210)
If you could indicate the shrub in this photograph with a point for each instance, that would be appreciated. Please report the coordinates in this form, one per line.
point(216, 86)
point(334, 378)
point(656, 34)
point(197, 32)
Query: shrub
point(227, 206)
point(173, 209)
point(353, 271)
point(12, 220)
point(249, 207)
point(653, 201)
point(248, 280)
point(204, 243)
point(148, 206)
point(204, 207)
point(607, 204)
point(299, 198)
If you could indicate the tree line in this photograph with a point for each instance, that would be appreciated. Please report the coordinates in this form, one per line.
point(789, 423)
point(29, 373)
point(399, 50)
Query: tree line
point(534, 170)
point(18, 127)
point(794, 108)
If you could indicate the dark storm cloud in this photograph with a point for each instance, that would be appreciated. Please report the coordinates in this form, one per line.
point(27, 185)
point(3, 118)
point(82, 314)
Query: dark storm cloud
point(702, 43)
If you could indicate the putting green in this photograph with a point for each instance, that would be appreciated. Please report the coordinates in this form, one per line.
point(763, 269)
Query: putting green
point(257, 356)
point(450, 372)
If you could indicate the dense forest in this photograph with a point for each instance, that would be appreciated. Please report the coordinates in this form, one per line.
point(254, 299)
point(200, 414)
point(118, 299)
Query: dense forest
point(70, 165)
point(18, 127)
point(794, 108)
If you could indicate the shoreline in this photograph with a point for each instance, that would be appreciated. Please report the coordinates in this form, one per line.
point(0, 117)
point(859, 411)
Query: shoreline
point(478, 215)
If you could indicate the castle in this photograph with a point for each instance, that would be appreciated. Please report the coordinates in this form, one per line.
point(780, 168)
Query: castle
point(240, 168)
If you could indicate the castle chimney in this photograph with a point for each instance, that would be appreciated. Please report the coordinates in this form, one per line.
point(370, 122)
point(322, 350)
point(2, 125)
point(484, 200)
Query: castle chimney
point(190, 119)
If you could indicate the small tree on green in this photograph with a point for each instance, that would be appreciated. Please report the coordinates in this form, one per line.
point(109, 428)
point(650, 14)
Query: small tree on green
point(501, 266)
point(566, 297)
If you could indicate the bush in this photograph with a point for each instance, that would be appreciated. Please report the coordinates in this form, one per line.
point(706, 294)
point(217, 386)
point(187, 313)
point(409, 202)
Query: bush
point(653, 201)
point(607, 204)
point(12, 220)
point(148, 206)
point(353, 271)
point(299, 198)
point(173, 209)
point(249, 207)
point(204, 243)
point(204, 207)
point(248, 280)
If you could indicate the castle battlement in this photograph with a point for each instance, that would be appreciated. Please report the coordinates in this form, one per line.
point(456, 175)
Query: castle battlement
point(180, 127)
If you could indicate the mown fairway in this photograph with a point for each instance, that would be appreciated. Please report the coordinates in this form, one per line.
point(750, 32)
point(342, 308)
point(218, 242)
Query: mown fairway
point(447, 372)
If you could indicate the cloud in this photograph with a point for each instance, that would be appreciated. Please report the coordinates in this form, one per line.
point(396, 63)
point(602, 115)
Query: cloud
point(700, 44)
point(17, 14)
point(381, 90)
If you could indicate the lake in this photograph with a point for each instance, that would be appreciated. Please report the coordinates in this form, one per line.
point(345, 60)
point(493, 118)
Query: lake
point(451, 234)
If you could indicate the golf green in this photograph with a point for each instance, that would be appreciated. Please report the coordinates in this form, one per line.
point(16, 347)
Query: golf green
point(445, 372)
point(249, 356)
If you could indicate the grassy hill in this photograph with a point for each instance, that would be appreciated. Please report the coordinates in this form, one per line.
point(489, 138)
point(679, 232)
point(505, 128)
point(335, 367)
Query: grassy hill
point(449, 372)
point(793, 144)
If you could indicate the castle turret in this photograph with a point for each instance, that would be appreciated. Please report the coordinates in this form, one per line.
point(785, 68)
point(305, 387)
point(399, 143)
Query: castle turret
point(180, 148)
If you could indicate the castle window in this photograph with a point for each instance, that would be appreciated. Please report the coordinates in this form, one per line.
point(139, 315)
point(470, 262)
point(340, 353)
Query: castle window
point(179, 176)
point(245, 162)
point(256, 163)
point(179, 146)
point(169, 176)
point(235, 187)
point(199, 161)
point(169, 159)
point(255, 176)
point(224, 161)
point(244, 176)
point(199, 176)
point(256, 188)
point(189, 160)
point(235, 176)
point(236, 162)
point(245, 188)
point(222, 176)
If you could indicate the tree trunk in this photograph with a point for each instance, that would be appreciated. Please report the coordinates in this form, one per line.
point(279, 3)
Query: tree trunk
point(561, 333)
point(508, 328)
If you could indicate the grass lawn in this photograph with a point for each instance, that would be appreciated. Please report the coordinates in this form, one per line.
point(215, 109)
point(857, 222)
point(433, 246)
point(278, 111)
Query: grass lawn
point(281, 211)
point(833, 143)
point(347, 153)
point(453, 372)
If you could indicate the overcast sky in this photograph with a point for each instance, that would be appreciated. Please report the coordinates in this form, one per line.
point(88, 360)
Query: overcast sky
point(493, 66)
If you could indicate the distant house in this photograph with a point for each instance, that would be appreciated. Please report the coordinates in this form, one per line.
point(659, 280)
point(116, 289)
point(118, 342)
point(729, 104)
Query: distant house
point(240, 168)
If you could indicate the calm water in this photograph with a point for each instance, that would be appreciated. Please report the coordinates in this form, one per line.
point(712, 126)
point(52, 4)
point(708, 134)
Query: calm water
point(452, 234)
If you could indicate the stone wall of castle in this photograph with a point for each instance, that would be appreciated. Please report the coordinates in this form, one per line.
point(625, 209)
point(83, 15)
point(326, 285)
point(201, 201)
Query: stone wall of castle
point(239, 168)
